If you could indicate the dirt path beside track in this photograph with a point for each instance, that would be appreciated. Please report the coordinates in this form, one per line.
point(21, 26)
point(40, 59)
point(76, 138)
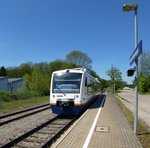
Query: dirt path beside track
point(127, 96)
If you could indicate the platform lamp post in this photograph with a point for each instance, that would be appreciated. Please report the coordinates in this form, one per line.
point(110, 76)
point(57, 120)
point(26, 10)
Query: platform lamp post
point(127, 8)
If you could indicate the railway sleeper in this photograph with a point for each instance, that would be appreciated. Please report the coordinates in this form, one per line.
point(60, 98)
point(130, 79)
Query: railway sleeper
point(41, 135)
point(51, 129)
point(46, 132)
point(30, 140)
point(25, 144)
point(60, 123)
point(56, 126)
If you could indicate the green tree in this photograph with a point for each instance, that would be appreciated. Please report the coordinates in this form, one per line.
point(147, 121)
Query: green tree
point(59, 65)
point(114, 74)
point(40, 81)
point(3, 71)
point(116, 77)
point(27, 81)
point(25, 69)
point(79, 58)
point(144, 84)
point(144, 73)
point(144, 69)
point(13, 72)
point(104, 83)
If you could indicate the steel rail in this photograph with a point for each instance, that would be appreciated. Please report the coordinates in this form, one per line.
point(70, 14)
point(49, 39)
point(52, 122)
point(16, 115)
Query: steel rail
point(22, 116)
point(54, 138)
point(40, 129)
point(27, 134)
point(25, 110)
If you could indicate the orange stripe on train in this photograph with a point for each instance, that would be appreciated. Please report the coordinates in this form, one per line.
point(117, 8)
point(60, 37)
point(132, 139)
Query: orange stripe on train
point(75, 104)
point(53, 103)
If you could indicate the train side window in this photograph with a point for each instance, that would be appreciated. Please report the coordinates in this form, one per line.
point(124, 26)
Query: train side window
point(86, 81)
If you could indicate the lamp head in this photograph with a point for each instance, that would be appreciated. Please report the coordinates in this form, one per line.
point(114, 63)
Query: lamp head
point(129, 7)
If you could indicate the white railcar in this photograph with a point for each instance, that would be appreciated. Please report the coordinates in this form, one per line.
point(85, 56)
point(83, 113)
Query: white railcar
point(72, 90)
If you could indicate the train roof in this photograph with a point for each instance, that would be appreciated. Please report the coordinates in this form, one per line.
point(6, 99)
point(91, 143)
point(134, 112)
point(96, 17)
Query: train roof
point(77, 70)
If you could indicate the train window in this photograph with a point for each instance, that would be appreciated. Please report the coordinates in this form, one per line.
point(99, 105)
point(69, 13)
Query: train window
point(67, 83)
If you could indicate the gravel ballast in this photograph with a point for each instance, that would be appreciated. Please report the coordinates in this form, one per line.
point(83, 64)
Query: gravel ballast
point(14, 129)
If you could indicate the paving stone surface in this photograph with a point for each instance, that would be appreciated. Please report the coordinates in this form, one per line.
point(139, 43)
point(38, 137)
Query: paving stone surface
point(112, 128)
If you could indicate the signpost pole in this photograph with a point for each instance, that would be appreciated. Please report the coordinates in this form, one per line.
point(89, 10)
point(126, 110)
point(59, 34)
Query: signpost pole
point(136, 78)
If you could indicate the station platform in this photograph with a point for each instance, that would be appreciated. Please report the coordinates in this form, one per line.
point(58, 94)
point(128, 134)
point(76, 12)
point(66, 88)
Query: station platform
point(103, 125)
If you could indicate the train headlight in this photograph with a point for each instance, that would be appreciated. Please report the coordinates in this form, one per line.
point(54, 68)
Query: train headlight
point(77, 96)
point(53, 96)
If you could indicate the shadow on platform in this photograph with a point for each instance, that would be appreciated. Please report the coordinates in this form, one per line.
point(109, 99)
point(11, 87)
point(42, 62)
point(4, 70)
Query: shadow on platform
point(98, 102)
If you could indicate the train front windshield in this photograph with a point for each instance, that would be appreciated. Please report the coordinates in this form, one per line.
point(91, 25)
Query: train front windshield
point(66, 83)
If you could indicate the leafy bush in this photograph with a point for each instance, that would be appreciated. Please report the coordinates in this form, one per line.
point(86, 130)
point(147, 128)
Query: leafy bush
point(8, 96)
point(144, 84)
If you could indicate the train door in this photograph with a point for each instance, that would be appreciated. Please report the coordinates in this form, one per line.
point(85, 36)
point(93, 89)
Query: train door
point(85, 89)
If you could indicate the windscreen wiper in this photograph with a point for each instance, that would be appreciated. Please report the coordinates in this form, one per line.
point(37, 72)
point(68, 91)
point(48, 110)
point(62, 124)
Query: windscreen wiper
point(61, 91)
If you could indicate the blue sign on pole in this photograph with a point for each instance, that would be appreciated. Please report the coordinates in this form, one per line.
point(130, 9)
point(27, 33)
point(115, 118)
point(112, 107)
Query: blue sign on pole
point(137, 52)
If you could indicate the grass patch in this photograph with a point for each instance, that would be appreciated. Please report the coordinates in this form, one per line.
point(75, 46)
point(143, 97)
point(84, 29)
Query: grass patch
point(7, 107)
point(143, 129)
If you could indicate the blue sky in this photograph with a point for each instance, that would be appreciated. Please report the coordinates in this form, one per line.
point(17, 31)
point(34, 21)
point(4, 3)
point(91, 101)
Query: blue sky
point(46, 30)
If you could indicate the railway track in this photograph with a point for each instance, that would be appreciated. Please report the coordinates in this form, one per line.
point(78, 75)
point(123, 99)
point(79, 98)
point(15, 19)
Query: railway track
point(43, 135)
point(21, 114)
